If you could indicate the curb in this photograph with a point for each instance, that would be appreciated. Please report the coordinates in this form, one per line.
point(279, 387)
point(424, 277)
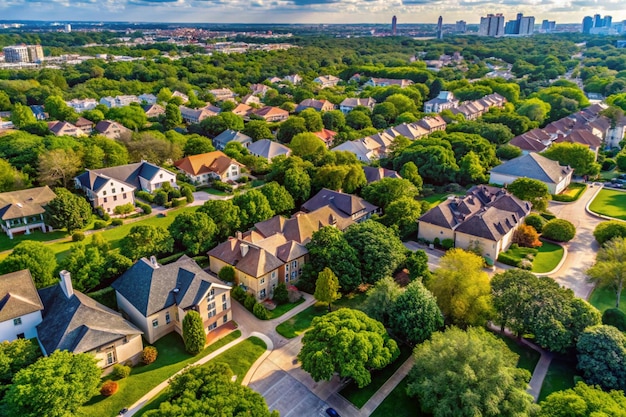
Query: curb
point(559, 265)
point(601, 216)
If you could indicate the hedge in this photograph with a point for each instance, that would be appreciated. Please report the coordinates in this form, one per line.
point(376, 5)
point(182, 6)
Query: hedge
point(559, 230)
point(507, 259)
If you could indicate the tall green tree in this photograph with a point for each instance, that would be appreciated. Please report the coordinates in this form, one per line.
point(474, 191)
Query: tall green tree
point(468, 373)
point(602, 357)
point(193, 232)
point(34, 256)
point(67, 211)
point(197, 145)
point(358, 346)
point(193, 333)
point(59, 167)
point(403, 214)
point(278, 197)
point(387, 190)
point(14, 356)
point(59, 110)
point(415, 314)
point(54, 386)
point(146, 240)
point(609, 271)
point(327, 287)
point(225, 215)
point(380, 300)
point(532, 190)
point(298, 183)
point(577, 156)
point(258, 129)
point(409, 172)
point(173, 117)
point(584, 401)
point(22, 116)
point(254, 207)
point(313, 120)
point(10, 178)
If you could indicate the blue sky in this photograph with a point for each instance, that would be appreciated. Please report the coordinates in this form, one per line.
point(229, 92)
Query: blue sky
point(304, 11)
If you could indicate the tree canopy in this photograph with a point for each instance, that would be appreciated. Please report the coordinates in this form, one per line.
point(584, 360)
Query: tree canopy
point(609, 271)
point(34, 256)
point(67, 211)
point(584, 401)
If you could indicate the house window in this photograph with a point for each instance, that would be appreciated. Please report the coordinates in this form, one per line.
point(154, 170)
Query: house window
point(114, 198)
point(113, 191)
point(287, 268)
point(294, 264)
point(212, 313)
point(104, 192)
point(262, 294)
point(108, 209)
point(273, 274)
point(224, 297)
point(124, 196)
point(224, 306)
point(110, 358)
point(211, 305)
point(225, 319)
point(17, 321)
point(262, 281)
point(167, 318)
point(155, 323)
point(160, 175)
point(212, 326)
point(286, 278)
point(106, 199)
point(21, 336)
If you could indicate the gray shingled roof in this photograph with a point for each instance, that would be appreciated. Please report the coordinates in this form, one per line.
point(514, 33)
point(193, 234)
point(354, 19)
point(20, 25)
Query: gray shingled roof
point(534, 166)
point(230, 135)
point(22, 203)
point(347, 203)
point(129, 174)
point(151, 289)
point(79, 323)
point(268, 148)
point(18, 295)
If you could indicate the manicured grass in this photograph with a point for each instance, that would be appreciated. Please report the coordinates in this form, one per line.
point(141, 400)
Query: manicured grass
point(360, 396)
point(560, 377)
point(37, 235)
point(528, 357)
point(399, 404)
point(610, 203)
point(282, 309)
point(256, 183)
point(301, 322)
point(571, 193)
point(436, 199)
point(240, 358)
point(215, 192)
point(604, 298)
point(548, 257)
point(172, 358)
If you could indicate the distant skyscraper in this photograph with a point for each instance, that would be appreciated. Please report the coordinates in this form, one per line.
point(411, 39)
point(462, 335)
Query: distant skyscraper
point(460, 26)
point(492, 25)
point(68, 28)
point(35, 53)
point(597, 21)
point(607, 21)
point(16, 54)
point(587, 24)
point(520, 26)
point(548, 26)
point(440, 28)
point(394, 23)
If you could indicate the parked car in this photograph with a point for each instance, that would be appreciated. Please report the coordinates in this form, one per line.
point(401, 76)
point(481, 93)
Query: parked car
point(332, 413)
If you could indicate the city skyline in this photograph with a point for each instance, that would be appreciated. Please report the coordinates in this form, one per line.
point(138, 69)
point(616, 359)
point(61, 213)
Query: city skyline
point(303, 11)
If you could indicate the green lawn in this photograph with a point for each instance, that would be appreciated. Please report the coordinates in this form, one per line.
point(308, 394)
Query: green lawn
point(610, 203)
point(548, 257)
point(560, 377)
point(604, 298)
point(398, 404)
point(360, 396)
point(301, 322)
point(571, 193)
point(239, 357)
point(283, 308)
point(528, 357)
point(172, 358)
point(37, 235)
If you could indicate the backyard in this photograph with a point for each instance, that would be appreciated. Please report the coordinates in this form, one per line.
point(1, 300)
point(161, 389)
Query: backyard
point(610, 203)
point(171, 358)
point(239, 357)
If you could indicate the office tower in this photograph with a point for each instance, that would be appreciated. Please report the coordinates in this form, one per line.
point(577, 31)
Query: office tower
point(440, 28)
point(68, 28)
point(597, 21)
point(492, 25)
point(548, 26)
point(526, 25)
point(15, 54)
point(35, 53)
point(607, 21)
point(511, 27)
point(587, 24)
point(460, 26)
point(394, 23)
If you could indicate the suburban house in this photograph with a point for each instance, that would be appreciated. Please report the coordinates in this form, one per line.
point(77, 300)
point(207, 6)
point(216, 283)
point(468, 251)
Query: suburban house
point(20, 306)
point(349, 205)
point(119, 101)
point(115, 186)
point(156, 297)
point(153, 110)
point(348, 104)
point(147, 99)
point(190, 115)
point(358, 148)
point(77, 323)
point(433, 123)
point(486, 216)
point(410, 131)
point(373, 174)
point(222, 94)
point(22, 211)
point(616, 134)
point(65, 129)
point(206, 167)
point(221, 140)
point(82, 105)
point(534, 166)
point(259, 89)
point(85, 125)
point(327, 81)
point(327, 136)
point(582, 137)
point(113, 130)
point(39, 112)
point(369, 148)
point(250, 99)
point(476, 108)
point(535, 140)
point(243, 110)
point(271, 114)
point(444, 101)
point(386, 82)
point(184, 97)
point(294, 79)
point(319, 105)
point(268, 149)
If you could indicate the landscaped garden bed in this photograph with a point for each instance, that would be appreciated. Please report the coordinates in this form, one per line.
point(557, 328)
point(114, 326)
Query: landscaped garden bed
point(571, 193)
point(539, 260)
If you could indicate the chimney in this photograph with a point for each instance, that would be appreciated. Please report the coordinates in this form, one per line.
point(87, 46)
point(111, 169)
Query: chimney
point(153, 262)
point(66, 283)
point(239, 235)
point(244, 249)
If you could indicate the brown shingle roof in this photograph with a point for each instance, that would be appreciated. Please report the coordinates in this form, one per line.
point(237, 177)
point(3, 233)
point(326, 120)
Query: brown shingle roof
point(215, 161)
point(18, 295)
point(15, 204)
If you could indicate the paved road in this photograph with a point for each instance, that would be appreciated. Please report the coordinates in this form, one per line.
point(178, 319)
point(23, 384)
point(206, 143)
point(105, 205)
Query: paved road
point(582, 249)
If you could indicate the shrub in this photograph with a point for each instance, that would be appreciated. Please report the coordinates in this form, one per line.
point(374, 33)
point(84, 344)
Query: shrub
point(606, 231)
point(117, 222)
point(249, 302)
point(173, 193)
point(507, 259)
point(559, 230)
point(437, 242)
point(120, 371)
point(615, 317)
point(526, 236)
point(124, 209)
point(179, 202)
point(145, 208)
point(227, 273)
point(536, 221)
point(193, 333)
point(160, 198)
point(109, 388)
point(608, 164)
point(447, 244)
point(188, 193)
point(105, 216)
point(78, 237)
point(99, 224)
point(145, 196)
point(149, 355)
point(281, 296)
point(526, 264)
point(222, 186)
point(243, 179)
point(238, 293)
point(293, 294)
point(260, 312)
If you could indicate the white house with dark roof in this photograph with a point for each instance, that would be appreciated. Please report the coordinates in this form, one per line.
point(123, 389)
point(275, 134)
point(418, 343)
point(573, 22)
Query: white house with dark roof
point(268, 149)
point(157, 297)
point(348, 104)
point(20, 306)
point(487, 216)
point(535, 166)
point(115, 186)
point(77, 323)
point(230, 135)
point(327, 81)
point(444, 101)
point(22, 211)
